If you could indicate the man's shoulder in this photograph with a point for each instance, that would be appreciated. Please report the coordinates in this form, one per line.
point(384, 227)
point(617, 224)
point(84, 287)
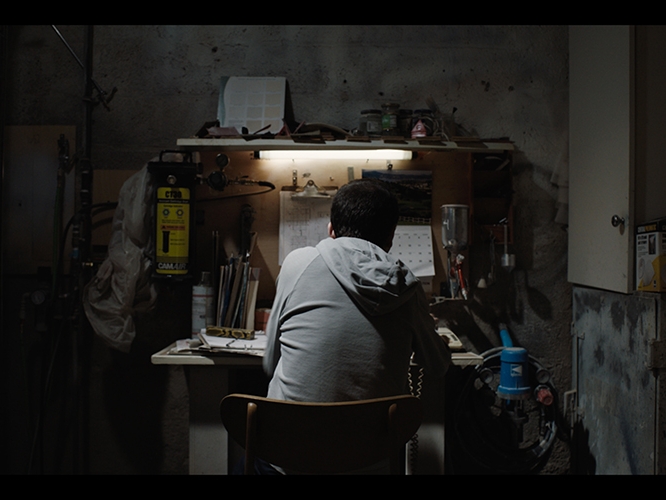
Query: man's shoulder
point(299, 254)
point(299, 258)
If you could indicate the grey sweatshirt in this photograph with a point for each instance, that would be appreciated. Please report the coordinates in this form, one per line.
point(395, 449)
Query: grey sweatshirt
point(346, 319)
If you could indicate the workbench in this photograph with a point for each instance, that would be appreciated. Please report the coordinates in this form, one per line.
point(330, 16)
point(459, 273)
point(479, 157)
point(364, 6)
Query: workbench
point(208, 383)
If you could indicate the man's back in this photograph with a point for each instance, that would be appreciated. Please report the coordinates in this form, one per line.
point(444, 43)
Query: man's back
point(346, 319)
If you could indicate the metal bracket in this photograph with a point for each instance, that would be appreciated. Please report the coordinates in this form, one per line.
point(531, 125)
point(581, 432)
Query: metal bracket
point(571, 408)
point(656, 354)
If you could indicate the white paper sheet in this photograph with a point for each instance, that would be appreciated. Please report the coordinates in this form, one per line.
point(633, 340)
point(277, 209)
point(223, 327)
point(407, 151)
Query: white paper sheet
point(259, 342)
point(412, 244)
point(303, 221)
point(252, 102)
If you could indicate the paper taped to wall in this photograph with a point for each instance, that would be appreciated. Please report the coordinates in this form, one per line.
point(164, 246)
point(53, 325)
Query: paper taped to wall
point(303, 221)
point(412, 244)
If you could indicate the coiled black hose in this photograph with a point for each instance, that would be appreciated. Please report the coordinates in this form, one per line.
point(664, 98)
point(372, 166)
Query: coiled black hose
point(485, 430)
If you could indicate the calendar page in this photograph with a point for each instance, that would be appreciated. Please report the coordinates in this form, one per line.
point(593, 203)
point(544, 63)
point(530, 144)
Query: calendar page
point(413, 245)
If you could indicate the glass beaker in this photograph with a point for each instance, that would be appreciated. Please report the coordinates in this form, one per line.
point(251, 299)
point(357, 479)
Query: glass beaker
point(454, 227)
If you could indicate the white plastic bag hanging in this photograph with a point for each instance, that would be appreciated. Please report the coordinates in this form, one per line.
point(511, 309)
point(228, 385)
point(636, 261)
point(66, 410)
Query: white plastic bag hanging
point(122, 286)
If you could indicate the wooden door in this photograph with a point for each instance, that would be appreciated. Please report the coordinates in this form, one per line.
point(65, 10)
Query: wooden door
point(29, 196)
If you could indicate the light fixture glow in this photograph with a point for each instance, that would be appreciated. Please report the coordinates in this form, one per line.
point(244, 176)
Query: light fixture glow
point(337, 154)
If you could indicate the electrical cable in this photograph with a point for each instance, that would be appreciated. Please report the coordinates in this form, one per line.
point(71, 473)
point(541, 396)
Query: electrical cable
point(415, 390)
point(103, 206)
point(58, 261)
point(46, 390)
point(269, 185)
point(56, 267)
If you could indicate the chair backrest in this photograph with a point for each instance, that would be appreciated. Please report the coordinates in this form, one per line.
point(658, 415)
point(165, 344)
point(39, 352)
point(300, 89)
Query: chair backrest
point(321, 438)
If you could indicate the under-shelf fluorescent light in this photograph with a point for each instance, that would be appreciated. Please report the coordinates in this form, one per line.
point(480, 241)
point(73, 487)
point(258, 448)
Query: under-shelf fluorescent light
point(337, 154)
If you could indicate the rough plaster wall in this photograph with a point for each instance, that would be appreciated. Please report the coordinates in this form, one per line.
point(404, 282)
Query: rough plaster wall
point(505, 81)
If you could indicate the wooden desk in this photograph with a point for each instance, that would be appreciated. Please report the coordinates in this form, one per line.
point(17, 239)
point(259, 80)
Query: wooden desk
point(208, 383)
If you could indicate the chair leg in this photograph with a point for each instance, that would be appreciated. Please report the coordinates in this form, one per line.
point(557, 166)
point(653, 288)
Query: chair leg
point(250, 437)
point(395, 450)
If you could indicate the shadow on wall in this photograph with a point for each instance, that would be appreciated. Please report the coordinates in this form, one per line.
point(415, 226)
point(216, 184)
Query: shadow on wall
point(582, 461)
point(134, 392)
point(531, 296)
point(133, 397)
point(510, 293)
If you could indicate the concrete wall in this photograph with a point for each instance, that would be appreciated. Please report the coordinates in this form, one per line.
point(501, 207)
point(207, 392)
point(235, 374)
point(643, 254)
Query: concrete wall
point(504, 81)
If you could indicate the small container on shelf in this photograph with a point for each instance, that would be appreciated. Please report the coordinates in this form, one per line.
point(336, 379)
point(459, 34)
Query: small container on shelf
point(371, 122)
point(390, 119)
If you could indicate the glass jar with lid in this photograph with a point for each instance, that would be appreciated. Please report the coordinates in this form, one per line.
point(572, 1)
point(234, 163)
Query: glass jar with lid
point(405, 122)
point(371, 122)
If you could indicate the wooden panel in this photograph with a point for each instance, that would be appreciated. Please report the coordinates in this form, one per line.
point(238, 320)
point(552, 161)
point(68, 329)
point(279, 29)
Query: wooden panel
point(650, 202)
point(29, 193)
point(451, 184)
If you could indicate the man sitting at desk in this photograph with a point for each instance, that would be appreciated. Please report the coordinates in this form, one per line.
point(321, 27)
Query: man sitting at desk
point(347, 315)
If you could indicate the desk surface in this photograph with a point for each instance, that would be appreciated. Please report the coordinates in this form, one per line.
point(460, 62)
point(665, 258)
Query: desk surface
point(167, 357)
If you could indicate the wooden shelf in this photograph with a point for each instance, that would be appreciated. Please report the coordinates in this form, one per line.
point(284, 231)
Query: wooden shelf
point(428, 144)
point(457, 167)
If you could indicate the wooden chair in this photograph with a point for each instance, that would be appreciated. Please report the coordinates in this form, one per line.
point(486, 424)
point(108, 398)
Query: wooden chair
point(320, 438)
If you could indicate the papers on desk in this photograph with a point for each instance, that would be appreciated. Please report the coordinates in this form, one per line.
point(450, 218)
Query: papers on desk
point(258, 342)
point(207, 344)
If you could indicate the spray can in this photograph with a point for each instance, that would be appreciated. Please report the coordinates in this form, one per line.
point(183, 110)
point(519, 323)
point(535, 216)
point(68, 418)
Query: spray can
point(203, 298)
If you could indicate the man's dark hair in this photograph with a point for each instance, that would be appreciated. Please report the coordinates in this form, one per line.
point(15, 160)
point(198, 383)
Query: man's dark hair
point(365, 208)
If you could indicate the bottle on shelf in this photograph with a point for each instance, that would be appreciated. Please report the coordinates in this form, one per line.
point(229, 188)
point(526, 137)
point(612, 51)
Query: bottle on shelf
point(203, 299)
